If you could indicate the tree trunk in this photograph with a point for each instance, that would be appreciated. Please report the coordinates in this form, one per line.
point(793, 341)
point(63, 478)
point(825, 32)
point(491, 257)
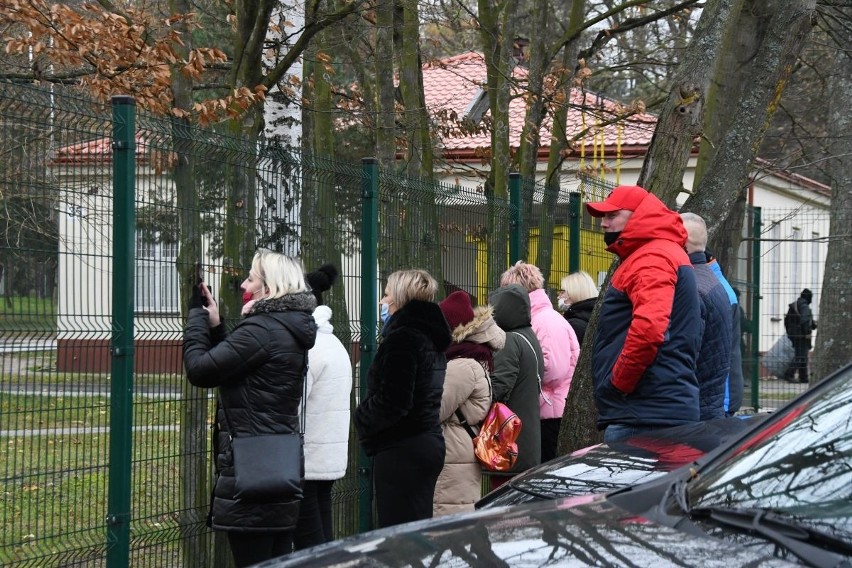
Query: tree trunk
point(318, 208)
point(730, 79)
point(558, 143)
point(681, 119)
point(420, 216)
point(320, 242)
point(496, 32)
point(239, 241)
point(385, 116)
point(195, 468)
point(579, 419)
point(784, 32)
point(833, 341)
point(527, 159)
point(553, 178)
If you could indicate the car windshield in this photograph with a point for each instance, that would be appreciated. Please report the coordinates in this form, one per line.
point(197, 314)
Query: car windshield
point(799, 465)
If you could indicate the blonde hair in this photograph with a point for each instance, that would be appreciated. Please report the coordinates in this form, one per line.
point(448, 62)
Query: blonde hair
point(579, 286)
point(696, 231)
point(527, 275)
point(281, 274)
point(412, 284)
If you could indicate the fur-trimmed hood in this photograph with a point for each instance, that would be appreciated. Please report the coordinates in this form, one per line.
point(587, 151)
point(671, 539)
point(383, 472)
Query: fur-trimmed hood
point(299, 302)
point(481, 329)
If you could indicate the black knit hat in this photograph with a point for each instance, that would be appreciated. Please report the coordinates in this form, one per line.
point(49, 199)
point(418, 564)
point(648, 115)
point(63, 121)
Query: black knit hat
point(321, 280)
point(807, 295)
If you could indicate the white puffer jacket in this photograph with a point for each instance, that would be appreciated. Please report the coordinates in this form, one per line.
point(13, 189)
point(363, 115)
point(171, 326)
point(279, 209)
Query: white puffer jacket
point(329, 387)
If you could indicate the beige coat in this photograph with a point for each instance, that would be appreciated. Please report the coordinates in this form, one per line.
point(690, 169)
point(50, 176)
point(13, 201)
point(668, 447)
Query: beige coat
point(466, 387)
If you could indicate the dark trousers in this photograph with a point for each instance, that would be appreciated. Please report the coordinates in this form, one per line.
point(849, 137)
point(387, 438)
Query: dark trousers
point(252, 547)
point(404, 478)
point(549, 438)
point(314, 526)
point(801, 347)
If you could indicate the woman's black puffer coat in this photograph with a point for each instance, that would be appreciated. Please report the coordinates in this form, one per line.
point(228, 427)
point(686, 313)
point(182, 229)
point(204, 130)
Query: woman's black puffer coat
point(578, 315)
point(259, 369)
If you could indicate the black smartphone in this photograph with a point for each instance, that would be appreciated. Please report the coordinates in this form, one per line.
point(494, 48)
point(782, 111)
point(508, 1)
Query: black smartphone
point(199, 280)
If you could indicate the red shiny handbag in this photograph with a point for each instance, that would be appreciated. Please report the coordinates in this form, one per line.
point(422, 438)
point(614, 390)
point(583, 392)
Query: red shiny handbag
point(496, 445)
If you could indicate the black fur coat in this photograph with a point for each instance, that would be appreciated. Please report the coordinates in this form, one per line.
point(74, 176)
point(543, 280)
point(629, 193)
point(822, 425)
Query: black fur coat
point(406, 379)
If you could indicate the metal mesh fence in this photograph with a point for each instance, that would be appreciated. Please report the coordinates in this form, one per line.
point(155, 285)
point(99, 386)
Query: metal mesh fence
point(54, 419)
point(56, 319)
point(791, 252)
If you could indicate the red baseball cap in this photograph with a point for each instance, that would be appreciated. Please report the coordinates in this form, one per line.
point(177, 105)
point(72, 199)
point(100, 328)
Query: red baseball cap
point(622, 197)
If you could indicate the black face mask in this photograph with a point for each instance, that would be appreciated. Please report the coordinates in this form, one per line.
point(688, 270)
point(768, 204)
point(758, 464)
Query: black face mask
point(611, 237)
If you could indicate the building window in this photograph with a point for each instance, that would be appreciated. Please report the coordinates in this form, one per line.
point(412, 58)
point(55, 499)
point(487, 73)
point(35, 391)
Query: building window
point(156, 274)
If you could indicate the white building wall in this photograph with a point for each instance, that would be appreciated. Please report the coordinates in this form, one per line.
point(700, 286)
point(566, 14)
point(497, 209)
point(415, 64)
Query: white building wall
point(793, 249)
point(86, 259)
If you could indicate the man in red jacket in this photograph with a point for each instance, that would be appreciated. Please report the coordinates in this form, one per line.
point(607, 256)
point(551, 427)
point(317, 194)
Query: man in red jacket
point(649, 329)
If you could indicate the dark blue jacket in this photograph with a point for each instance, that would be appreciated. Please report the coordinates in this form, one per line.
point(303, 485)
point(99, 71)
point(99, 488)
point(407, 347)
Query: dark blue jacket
point(714, 358)
point(649, 330)
point(735, 384)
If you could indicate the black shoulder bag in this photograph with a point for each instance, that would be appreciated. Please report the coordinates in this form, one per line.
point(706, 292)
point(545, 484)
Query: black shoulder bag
point(269, 466)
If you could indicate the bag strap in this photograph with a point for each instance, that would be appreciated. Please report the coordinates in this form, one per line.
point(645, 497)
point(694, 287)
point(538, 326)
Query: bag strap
point(464, 423)
point(462, 420)
point(537, 373)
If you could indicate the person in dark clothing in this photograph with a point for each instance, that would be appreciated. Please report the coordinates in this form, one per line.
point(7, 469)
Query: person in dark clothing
point(398, 421)
point(259, 369)
point(516, 378)
point(327, 415)
point(577, 298)
point(714, 359)
point(735, 383)
point(560, 349)
point(649, 329)
point(799, 324)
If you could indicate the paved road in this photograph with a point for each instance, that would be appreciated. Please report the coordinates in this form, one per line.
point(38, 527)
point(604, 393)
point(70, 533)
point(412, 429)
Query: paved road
point(19, 344)
point(160, 393)
point(80, 431)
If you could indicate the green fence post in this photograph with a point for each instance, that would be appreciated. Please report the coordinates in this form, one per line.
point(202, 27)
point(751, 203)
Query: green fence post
point(755, 310)
point(121, 378)
point(515, 223)
point(369, 318)
point(574, 218)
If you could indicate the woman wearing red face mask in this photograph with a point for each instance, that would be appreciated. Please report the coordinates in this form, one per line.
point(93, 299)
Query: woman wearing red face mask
point(258, 368)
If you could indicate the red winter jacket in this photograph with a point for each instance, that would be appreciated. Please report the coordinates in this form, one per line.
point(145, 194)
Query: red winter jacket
point(649, 331)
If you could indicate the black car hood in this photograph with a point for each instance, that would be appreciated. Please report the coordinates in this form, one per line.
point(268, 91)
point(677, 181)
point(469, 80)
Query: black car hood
point(552, 533)
point(604, 468)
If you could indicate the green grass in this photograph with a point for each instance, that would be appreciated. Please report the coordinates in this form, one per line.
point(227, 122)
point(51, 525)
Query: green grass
point(54, 497)
point(32, 412)
point(27, 314)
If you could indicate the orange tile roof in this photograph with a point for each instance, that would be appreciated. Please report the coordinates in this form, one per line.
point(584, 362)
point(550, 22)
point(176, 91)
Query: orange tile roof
point(450, 85)
point(97, 151)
